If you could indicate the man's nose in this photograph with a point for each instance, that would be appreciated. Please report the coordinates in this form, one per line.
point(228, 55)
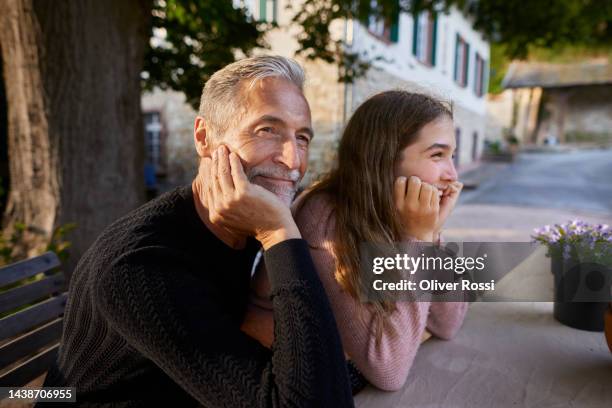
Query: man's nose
point(289, 154)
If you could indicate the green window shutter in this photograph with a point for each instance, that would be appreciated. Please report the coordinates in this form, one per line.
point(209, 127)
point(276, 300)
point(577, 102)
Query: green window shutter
point(475, 84)
point(456, 70)
point(415, 33)
point(394, 34)
point(275, 11)
point(467, 63)
point(262, 10)
point(434, 39)
point(485, 77)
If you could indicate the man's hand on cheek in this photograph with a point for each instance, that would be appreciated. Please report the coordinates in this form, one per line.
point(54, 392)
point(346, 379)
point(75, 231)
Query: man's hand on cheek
point(239, 205)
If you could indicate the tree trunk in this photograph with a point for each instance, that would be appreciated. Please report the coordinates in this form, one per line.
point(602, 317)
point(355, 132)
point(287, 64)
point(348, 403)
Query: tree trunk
point(75, 138)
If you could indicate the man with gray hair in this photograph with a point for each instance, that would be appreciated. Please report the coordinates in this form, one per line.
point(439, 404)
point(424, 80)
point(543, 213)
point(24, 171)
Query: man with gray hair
point(156, 304)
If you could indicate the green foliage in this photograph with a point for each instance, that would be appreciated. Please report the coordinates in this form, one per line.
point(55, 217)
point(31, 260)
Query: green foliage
point(59, 244)
point(494, 147)
point(498, 67)
point(9, 243)
point(568, 53)
point(512, 140)
point(521, 24)
point(192, 39)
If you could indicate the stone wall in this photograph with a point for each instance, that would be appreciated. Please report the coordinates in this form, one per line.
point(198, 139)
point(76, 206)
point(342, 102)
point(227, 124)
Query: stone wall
point(178, 150)
point(578, 111)
point(326, 97)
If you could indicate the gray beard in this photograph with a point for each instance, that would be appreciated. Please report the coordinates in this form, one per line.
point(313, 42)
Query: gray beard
point(285, 194)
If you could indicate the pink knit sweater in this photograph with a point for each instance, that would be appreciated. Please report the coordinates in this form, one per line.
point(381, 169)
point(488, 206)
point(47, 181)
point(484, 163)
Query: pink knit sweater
point(387, 363)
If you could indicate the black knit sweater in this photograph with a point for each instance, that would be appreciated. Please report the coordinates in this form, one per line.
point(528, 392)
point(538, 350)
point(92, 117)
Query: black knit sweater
point(154, 311)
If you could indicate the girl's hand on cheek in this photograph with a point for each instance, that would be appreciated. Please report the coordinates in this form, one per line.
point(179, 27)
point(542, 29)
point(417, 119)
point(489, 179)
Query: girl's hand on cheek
point(418, 205)
point(448, 201)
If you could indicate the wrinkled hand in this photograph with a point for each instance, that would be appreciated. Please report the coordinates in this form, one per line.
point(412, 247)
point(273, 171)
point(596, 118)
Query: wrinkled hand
point(419, 207)
point(235, 203)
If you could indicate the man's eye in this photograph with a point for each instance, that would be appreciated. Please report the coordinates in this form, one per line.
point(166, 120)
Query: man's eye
point(304, 139)
point(439, 154)
point(267, 130)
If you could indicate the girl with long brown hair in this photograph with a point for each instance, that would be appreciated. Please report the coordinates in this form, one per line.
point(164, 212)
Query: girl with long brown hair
point(394, 181)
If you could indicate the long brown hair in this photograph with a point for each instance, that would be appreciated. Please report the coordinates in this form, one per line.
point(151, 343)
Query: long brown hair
point(361, 184)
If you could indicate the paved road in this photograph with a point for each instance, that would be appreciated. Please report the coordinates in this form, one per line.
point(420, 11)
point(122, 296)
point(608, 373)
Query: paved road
point(578, 180)
point(535, 190)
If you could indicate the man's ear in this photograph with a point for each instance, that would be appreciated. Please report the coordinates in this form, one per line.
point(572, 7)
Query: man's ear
point(201, 138)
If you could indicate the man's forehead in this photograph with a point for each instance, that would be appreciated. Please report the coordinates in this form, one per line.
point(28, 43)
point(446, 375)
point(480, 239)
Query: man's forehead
point(271, 89)
point(278, 98)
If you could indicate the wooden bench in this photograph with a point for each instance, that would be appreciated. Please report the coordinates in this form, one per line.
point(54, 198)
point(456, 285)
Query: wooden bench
point(29, 337)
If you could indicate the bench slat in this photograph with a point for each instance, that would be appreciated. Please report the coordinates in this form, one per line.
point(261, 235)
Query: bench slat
point(28, 318)
point(29, 343)
point(30, 369)
point(23, 295)
point(29, 267)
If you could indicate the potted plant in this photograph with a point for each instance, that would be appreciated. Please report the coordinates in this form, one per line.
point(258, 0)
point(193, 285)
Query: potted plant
point(513, 143)
point(581, 262)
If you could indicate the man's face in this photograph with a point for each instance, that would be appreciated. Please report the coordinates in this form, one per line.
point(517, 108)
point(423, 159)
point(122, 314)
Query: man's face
point(430, 157)
point(273, 136)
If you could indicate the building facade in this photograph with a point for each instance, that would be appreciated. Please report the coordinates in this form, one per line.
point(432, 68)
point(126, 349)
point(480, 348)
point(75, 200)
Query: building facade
point(552, 103)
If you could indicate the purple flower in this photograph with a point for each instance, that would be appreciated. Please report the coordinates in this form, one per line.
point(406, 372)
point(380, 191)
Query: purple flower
point(590, 241)
point(566, 253)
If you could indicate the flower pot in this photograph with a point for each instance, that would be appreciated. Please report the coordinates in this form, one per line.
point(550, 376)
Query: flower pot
point(581, 293)
point(608, 324)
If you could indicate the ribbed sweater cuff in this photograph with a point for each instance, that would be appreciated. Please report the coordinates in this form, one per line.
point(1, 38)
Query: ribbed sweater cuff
point(288, 261)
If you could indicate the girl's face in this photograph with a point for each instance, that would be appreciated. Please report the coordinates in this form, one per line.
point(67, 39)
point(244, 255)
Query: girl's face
point(431, 157)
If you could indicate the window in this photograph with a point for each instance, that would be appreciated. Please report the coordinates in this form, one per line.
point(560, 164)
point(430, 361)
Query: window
point(479, 76)
point(424, 37)
point(153, 142)
point(458, 146)
point(462, 54)
point(268, 10)
point(474, 146)
point(385, 30)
